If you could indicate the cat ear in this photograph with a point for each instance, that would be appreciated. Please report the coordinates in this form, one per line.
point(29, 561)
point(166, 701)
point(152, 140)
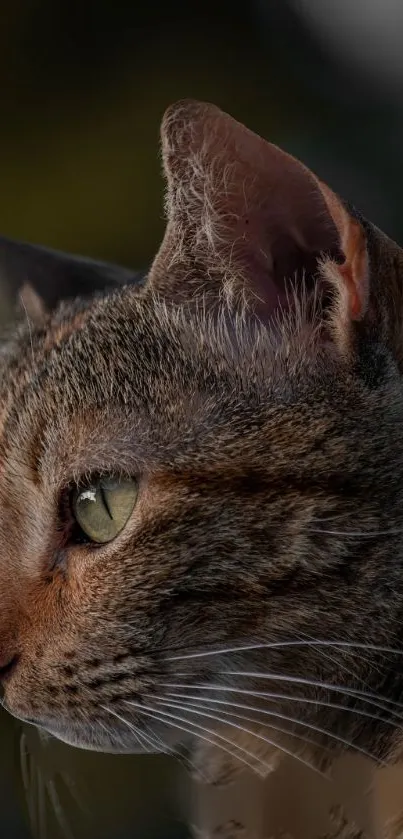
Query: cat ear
point(244, 213)
point(39, 278)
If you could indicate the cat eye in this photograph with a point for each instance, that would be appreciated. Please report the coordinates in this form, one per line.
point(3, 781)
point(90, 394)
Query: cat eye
point(103, 507)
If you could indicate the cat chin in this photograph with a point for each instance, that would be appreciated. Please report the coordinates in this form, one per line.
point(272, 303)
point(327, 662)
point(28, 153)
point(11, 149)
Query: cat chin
point(88, 742)
point(94, 740)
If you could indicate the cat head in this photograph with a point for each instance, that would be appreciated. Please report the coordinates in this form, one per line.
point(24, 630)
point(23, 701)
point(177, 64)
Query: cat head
point(201, 480)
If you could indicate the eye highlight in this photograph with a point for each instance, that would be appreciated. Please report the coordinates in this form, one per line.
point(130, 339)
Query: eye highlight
point(103, 507)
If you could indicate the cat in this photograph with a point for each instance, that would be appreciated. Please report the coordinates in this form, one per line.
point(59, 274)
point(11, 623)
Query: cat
point(201, 474)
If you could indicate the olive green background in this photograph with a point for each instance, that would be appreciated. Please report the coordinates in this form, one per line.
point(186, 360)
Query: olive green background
point(83, 86)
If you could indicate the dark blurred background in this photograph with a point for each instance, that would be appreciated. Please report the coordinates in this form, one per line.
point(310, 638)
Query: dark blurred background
point(83, 86)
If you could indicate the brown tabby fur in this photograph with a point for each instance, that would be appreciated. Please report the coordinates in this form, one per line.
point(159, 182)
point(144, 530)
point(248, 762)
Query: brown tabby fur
point(268, 447)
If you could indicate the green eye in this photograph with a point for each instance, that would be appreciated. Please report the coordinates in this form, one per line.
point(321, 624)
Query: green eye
point(103, 507)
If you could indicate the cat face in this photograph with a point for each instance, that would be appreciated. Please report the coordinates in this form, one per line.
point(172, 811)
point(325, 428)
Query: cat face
point(201, 479)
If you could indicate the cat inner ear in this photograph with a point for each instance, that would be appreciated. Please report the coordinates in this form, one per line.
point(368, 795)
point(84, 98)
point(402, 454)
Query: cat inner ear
point(37, 279)
point(244, 214)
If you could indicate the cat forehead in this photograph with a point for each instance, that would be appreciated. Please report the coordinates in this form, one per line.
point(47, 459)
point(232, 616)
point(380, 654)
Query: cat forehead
point(126, 340)
point(129, 369)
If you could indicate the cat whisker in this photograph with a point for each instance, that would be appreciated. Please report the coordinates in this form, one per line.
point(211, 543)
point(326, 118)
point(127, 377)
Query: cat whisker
point(156, 743)
point(153, 740)
point(358, 534)
point(58, 809)
point(312, 642)
point(72, 788)
point(273, 697)
point(24, 754)
point(145, 741)
point(168, 750)
point(41, 805)
point(340, 515)
point(115, 714)
point(299, 680)
point(22, 302)
point(198, 702)
point(171, 724)
point(194, 709)
point(110, 731)
point(105, 728)
point(267, 694)
point(31, 779)
point(279, 644)
point(245, 756)
point(323, 652)
point(326, 655)
point(364, 696)
point(294, 721)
